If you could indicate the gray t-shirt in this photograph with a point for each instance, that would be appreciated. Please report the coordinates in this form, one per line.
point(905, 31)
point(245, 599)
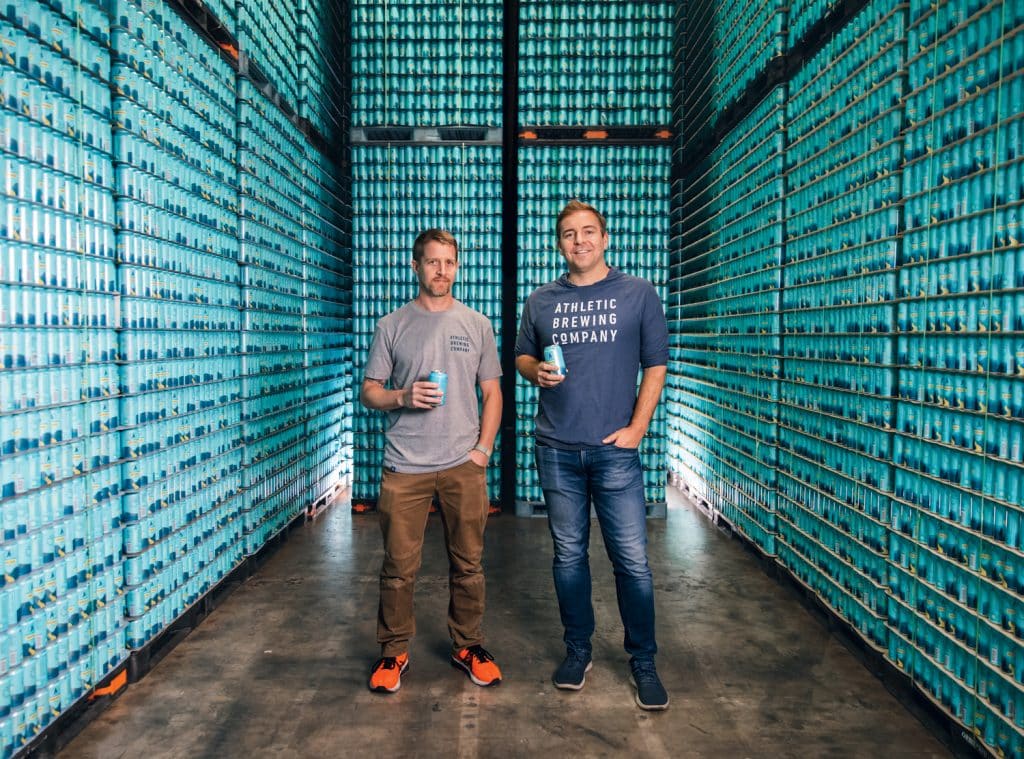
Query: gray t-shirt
point(407, 345)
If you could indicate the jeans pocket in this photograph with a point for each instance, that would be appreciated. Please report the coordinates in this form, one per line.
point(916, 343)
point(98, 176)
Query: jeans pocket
point(618, 468)
point(539, 452)
point(615, 453)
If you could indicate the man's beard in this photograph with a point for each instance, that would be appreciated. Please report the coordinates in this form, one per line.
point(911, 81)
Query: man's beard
point(439, 289)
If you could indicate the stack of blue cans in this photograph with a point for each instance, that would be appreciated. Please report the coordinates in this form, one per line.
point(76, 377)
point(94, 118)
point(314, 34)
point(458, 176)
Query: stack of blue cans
point(895, 469)
point(62, 624)
point(175, 301)
point(804, 14)
point(599, 64)
point(179, 280)
point(272, 155)
point(836, 406)
point(322, 94)
point(957, 445)
point(268, 36)
point(727, 49)
point(421, 65)
point(723, 384)
point(327, 246)
point(426, 64)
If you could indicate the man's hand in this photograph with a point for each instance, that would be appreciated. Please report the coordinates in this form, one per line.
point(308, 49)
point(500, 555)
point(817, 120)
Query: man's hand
point(422, 395)
point(478, 458)
point(547, 375)
point(626, 437)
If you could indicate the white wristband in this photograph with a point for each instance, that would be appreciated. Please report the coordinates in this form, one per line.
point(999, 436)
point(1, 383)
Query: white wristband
point(482, 450)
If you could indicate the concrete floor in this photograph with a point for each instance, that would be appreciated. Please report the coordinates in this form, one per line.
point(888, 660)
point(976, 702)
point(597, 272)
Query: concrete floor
point(279, 668)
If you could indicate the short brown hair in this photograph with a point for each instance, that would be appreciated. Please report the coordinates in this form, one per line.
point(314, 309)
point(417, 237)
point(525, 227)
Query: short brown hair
point(578, 205)
point(433, 235)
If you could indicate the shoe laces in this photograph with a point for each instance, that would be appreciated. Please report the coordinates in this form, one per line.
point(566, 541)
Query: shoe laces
point(577, 657)
point(479, 653)
point(386, 662)
point(645, 672)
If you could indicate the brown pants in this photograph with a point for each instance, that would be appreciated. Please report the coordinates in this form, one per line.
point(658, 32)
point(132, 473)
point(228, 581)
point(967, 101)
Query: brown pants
point(404, 505)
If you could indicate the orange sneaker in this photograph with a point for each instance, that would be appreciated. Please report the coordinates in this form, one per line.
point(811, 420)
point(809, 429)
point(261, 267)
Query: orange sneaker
point(478, 664)
point(386, 675)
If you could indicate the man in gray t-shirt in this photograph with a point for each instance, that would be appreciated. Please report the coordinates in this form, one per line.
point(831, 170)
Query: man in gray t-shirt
point(436, 443)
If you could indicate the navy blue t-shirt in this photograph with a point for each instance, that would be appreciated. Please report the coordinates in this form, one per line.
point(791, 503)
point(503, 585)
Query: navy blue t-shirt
point(608, 331)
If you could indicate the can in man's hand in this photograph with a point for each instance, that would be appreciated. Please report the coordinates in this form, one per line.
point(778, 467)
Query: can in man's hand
point(441, 378)
point(553, 355)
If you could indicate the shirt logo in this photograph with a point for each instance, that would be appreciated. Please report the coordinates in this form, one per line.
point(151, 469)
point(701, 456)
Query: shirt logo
point(588, 321)
point(459, 344)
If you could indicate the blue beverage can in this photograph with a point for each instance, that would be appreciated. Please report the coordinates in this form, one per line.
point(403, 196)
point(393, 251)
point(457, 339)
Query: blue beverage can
point(553, 355)
point(441, 378)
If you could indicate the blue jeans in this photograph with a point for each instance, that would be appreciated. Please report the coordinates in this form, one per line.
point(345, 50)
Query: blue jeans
point(612, 479)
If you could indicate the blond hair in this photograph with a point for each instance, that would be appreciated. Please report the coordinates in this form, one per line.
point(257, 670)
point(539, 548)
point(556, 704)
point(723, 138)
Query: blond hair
point(433, 235)
point(578, 205)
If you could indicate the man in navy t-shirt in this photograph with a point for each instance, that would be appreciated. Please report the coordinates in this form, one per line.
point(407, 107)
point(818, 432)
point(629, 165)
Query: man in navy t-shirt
point(610, 327)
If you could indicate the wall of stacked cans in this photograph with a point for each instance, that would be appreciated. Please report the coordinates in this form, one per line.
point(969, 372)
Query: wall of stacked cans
point(726, 46)
point(723, 385)
point(847, 382)
point(595, 64)
point(175, 371)
point(426, 64)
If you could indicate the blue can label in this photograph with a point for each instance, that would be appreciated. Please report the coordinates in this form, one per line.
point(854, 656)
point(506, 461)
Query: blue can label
point(441, 378)
point(553, 355)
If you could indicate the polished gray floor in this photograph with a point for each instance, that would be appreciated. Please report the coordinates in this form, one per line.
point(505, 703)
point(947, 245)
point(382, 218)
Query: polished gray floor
point(279, 669)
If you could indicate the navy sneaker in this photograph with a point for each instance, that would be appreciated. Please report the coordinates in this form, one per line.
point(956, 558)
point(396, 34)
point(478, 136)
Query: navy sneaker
point(572, 672)
point(650, 693)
